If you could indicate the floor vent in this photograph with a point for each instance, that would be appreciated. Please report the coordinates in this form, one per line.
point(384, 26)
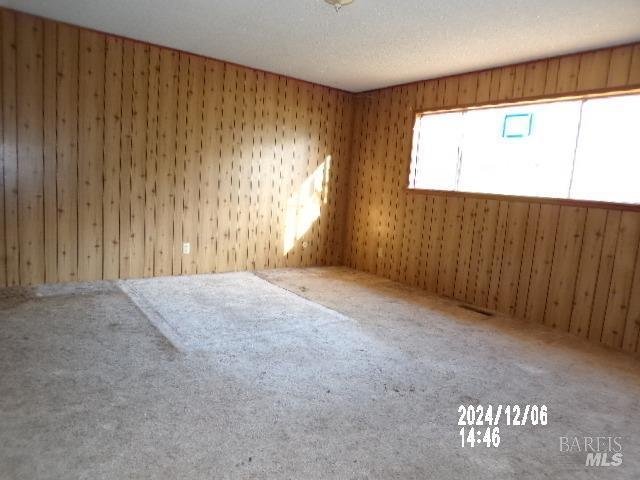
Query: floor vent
point(486, 313)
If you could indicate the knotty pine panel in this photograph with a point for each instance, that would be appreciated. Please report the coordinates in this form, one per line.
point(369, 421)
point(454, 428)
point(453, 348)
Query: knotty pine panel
point(115, 152)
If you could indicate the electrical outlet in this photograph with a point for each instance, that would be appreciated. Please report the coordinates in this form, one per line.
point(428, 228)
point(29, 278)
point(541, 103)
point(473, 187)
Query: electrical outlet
point(186, 248)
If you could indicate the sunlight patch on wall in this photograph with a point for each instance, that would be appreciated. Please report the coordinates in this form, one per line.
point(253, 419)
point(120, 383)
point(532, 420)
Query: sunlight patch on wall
point(305, 205)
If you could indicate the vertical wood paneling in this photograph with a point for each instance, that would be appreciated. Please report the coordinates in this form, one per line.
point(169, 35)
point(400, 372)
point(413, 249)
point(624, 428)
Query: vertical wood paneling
point(245, 203)
point(518, 81)
point(138, 153)
point(3, 250)
point(126, 127)
point(253, 130)
point(494, 87)
point(450, 246)
point(434, 246)
point(90, 154)
point(312, 148)
point(483, 87)
point(115, 153)
point(619, 66)
point(506, 83)
point(572, 268)
point(603, 280)
point(566, 258)
point(50, 161)
point(373, 192)
point(634, 68)
point(568, 69)
point(364, 187)
point(467, 89)
point(236, 78)
point(594, 70)
point(151, 163)
point(403, 141)
point(29, 88)
point(632, 321)
point(67, 152)
point(595, 225)
point(535, 78)
point(484, 253)
point(192, 162)
point(498, 255)
point(329, 194)
point(182, 89)
point(475, 253)
point(464, 254)
point(265, 169)
point(369, 168)
point(111, 154)
point(213, 116)
point(274, 99)
point(383, 188)
point(551, 82)
point(353, 203)
point(325, 228)
point(512, 257)
point(621, 280)
point(416, 232)
point(224, 246)
point(526, 266)
point(165, 163)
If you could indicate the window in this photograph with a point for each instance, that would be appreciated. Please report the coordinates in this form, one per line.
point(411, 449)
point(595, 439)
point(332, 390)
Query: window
point(585, 149)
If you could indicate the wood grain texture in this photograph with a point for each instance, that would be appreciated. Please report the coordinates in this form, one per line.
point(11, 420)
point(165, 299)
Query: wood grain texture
point(138, 152)
point(67, 152)
point(10, 151)
point(49, 154)
point(90, 154)
point(3, 249)
point(115, 153)
point(111, 156)
point(570, 267)
point(30, 121)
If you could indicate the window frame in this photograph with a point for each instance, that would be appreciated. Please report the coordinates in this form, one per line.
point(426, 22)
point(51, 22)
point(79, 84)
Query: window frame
point(561, 97)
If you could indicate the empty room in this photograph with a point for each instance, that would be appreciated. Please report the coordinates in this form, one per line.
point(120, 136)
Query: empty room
point(319, 239)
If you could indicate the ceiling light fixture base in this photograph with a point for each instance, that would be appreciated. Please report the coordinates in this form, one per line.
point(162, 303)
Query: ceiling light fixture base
point(338, 4)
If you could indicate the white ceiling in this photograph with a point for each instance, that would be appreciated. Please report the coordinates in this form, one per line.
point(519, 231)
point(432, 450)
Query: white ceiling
point(369, 44)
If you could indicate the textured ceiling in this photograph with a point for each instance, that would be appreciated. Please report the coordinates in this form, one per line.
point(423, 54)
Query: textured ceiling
point(369, 44)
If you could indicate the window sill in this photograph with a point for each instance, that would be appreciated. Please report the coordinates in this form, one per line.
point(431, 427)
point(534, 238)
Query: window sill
point(634, 207)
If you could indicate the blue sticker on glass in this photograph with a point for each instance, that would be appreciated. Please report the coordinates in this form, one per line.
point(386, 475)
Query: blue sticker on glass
point(517, 125)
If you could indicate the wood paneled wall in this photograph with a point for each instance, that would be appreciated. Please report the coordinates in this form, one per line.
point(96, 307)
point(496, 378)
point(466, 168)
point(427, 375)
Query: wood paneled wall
point(573, 268)
point(115, 152)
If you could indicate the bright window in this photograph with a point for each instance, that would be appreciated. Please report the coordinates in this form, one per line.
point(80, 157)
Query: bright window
point(586, 149)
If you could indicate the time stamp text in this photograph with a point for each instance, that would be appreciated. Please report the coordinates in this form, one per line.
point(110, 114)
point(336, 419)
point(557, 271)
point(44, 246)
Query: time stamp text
point(481, 425)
